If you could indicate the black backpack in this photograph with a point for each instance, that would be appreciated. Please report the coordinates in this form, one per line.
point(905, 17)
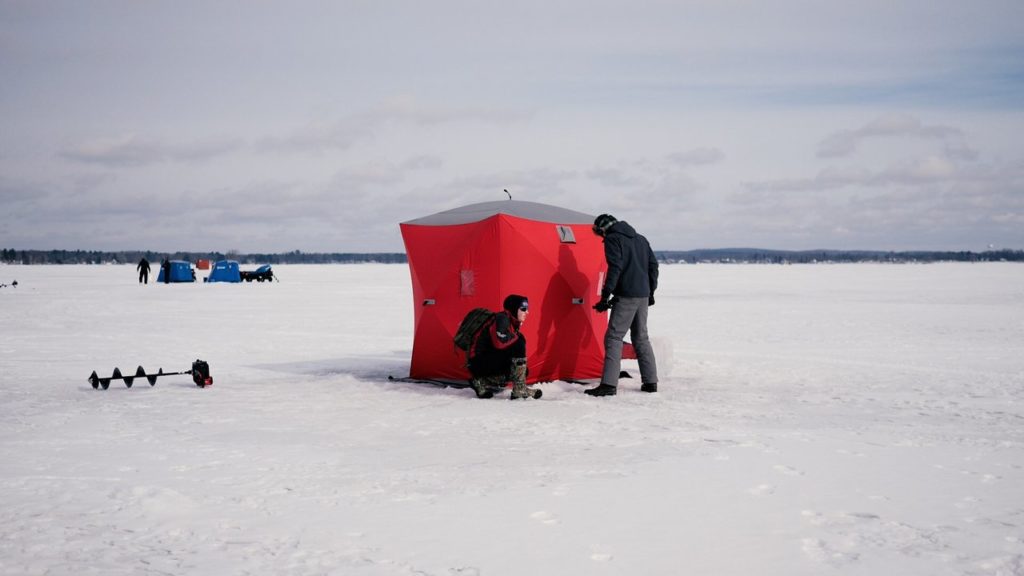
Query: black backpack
point(470, 326)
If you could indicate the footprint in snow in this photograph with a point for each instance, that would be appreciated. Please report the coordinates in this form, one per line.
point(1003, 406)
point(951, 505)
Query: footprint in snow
point(560, 490)
point(822, 551)
point(787, 470)
point(544, 517)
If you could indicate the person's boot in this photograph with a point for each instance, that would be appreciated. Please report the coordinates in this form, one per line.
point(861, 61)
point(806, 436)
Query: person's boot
point(602, 390)
point(650, 387)
point(480, 387)
point(519, 387)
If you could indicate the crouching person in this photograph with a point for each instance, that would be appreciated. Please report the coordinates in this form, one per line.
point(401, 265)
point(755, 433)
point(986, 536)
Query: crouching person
point(498, 353)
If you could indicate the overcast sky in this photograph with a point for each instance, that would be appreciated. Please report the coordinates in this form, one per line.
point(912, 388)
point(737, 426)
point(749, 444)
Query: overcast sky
point(319, 126)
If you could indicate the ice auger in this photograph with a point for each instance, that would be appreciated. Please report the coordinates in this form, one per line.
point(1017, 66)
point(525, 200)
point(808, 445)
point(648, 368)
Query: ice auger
point(200, 375)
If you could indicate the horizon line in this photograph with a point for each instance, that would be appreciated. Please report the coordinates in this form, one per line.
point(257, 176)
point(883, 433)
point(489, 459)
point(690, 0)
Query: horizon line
point(673, 250)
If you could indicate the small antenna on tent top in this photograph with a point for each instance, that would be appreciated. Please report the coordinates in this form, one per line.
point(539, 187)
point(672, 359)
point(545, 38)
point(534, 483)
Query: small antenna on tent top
point(506, 192)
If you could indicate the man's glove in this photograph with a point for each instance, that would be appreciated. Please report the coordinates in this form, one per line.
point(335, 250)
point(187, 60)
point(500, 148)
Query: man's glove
point(603, 305)
point(650, 300)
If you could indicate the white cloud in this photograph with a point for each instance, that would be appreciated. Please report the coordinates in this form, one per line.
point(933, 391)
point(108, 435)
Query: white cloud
point(614, 178)
point(846, 142)
point(924, 170)
point(697, 157)
point(131, 150)
point(324, 136)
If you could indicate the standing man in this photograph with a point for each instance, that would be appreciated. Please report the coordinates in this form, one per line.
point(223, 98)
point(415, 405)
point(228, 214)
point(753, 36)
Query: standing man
point(143, 269)
point(628, 291)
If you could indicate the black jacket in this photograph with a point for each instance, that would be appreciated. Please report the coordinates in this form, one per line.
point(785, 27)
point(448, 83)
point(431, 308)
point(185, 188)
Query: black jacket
point(496, 345)
point(498, 335)
point(632, 267)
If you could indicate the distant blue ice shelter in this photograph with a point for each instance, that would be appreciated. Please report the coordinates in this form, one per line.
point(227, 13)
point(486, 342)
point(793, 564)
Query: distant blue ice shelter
point(181, 271)
point(224, 271)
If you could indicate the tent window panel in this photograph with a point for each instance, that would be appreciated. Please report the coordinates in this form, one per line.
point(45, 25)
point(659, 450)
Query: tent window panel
point(467, 283)
point(565, 235)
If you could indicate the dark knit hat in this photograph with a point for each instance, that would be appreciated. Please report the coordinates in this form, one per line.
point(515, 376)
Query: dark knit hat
point(513, 302)
point(602, 223)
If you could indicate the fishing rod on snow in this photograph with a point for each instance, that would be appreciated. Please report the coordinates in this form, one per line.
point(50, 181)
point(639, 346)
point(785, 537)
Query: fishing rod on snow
point(200, 373)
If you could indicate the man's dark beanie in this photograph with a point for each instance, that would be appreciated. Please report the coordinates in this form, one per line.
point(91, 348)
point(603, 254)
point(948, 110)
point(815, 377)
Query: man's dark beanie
point(513, 302)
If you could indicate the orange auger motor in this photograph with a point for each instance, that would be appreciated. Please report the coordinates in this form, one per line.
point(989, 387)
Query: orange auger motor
point(200, 375)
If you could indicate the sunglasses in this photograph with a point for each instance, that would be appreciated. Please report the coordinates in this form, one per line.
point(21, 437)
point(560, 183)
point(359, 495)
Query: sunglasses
point(524, 308)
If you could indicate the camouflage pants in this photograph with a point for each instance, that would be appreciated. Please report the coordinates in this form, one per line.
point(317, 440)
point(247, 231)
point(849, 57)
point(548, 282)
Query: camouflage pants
point(516, 374)
point(483, 384)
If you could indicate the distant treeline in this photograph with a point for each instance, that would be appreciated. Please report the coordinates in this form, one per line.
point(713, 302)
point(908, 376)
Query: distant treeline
point(133, 257)
point(723, 255)
point(759, 256)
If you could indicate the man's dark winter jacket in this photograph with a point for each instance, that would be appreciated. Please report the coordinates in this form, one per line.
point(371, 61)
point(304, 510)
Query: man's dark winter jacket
point(499, 334)
point(632, 267)
point(496, 345)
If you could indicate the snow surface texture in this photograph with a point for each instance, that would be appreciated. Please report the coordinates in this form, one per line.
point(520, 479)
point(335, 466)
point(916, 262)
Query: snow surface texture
point(854, 419)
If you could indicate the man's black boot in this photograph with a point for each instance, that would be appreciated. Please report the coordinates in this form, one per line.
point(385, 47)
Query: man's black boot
point(602, 390)
point(652, 387)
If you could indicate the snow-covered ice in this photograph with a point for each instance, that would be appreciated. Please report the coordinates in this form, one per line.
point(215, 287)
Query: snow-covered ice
point(831, 419)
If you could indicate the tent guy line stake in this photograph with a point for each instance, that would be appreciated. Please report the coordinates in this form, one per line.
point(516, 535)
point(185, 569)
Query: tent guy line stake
point(200, 373)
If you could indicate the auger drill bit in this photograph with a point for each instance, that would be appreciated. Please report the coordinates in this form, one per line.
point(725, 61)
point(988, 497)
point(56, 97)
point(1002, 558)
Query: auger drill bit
point(200, 373)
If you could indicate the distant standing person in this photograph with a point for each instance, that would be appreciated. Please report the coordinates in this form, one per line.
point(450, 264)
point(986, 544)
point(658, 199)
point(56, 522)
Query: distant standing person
point(165, 266)
point(143, 269)
point(628, 291)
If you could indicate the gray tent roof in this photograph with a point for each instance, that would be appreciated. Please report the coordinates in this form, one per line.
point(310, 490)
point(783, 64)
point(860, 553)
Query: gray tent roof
point(518, 208)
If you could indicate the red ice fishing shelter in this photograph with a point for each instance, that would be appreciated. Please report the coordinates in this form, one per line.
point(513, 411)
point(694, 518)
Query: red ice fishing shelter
point(475, 255)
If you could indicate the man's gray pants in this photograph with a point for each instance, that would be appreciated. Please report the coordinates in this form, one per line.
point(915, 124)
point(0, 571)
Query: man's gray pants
point(628, 314)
